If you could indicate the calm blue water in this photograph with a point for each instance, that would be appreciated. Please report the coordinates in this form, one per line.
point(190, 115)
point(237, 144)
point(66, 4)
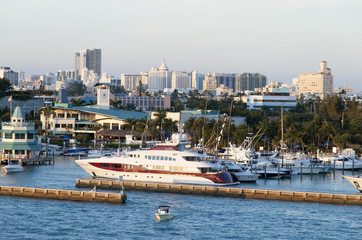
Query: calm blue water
point(196, 217)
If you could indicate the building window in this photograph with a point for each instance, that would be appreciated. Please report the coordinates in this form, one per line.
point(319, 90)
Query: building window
point(19, 136)
point(30, 136)
point(8, 135)
point(64, 125)
point(106, 126)
point(60, 115)
point(70, 125)
point(19, 151)
point(115, 126)
point(57, 125)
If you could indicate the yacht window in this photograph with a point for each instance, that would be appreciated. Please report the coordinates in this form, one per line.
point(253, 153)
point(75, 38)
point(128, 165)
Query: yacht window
point(153, 157)
point(162, 158)
point(158, 158)
point(174, 159)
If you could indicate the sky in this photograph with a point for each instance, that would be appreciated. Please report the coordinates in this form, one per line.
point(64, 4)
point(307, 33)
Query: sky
point(277, 38)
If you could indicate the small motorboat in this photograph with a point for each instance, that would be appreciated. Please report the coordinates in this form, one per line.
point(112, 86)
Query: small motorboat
point(163, 213)
point(14, 166)
point(355, 181)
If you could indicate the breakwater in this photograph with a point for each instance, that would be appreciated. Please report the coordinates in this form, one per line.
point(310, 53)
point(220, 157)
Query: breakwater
point(60, 194)
point(242, 193)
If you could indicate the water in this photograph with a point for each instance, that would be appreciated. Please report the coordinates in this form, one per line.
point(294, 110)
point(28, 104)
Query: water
point(196, 217)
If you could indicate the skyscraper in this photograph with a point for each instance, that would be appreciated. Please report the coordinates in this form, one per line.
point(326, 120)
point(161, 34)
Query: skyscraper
point(159, 78)
point(89, 60)
point(249, 81)
point(316, 83)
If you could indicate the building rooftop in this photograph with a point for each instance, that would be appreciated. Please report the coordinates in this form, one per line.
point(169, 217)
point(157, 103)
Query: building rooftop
point(110, 112)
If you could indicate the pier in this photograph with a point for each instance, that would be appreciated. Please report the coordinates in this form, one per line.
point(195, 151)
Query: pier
point(243, 193)
point(60, 194)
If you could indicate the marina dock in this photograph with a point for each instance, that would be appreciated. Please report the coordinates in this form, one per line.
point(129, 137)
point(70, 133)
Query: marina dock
point(243, 193)
point(60, 194)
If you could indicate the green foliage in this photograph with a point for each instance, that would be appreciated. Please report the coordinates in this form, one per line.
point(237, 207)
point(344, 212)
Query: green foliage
point(5, 86)
point(76, 89)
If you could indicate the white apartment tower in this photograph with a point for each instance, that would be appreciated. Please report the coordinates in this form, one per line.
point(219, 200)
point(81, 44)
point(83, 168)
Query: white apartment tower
point(131, 81)
point(316, 83)
point(181, 80)
point(159, 78)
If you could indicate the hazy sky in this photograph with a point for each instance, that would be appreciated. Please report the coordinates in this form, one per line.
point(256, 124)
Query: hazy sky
point(278, 38)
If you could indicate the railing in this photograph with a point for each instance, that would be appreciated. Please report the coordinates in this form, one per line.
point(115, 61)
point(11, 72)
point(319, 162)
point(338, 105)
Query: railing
point(17, 124)
point(84, 129)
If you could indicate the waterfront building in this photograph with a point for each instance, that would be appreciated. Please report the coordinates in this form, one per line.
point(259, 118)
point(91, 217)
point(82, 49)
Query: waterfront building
point(89, 60)
point(209, 84)
point(317, 83)
point(159, 78)
point(13, 77)
point(181, 80)
point(131, 81)
point(68, 119)
point(18, 138)
point(347, 90)
point(249, 81)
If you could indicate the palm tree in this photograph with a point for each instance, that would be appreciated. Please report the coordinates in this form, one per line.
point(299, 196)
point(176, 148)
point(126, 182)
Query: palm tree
point(328, 131)
point(160, 116)
point(47, 111)
point(78, 102)
point(170, 125)
point(115, 103)
point(96, 128)
point(130, 124)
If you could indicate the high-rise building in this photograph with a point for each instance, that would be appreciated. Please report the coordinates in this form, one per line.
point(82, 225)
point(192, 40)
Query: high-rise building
point(88, 59)
point(225, 79)
point(316, 83)
point(209, 83)
point(249, 81)
point(197, 80)
point(159, 78)
point(181, 80)
point(13, 77)
point(131, 81)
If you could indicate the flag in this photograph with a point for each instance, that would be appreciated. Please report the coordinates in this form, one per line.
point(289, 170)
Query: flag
point(10, 98)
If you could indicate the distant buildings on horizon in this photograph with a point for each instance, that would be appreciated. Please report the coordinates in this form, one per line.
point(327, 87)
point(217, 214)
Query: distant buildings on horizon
point(88, 70)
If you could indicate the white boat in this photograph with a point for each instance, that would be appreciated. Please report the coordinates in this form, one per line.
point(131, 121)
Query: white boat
point(356, 181)
point(266, 169)
point(14, 166)
point(163, 213)
point(99, 153)
point(342, 162)
point(163, 164)
point(242, 175)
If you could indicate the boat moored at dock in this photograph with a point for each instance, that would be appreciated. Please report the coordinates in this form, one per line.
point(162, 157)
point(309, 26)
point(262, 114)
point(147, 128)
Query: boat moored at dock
point(355, 181)
point(163, 164)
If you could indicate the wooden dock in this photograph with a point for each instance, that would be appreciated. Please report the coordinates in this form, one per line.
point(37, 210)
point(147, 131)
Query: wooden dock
point(60, 194)
point(329, 198)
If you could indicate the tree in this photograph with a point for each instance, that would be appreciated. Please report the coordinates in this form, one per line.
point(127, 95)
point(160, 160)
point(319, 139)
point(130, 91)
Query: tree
point(5, 86)
point(130, 124)
point(160, 116)
point(115, 103)
point(76, 89)
point(82, 137)
point(327, 131)
point(96, 128)
point(77, 102)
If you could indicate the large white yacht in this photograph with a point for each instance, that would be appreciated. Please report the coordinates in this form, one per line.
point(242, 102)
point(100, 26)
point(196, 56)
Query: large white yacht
point(163, 164)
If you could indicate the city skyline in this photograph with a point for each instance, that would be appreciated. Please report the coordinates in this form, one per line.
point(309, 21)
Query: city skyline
point(279, 39)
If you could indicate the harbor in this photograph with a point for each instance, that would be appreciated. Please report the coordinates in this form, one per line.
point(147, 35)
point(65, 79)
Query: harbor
point(192, 211)
point(261, 194)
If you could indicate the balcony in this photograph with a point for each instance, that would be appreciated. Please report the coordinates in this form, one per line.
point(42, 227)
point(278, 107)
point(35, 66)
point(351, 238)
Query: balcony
point(17, 124)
